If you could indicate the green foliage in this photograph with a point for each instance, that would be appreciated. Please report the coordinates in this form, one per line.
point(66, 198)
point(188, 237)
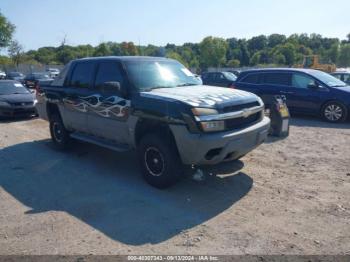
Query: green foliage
point(257, 43)
point(255, 59)
point(276, 39)
point(16, 53)
point(344, 57)
point(213, 51)
point(4, 60)
point(233, 63)
point(275, 49)
point(176, 56)
point(6, 31)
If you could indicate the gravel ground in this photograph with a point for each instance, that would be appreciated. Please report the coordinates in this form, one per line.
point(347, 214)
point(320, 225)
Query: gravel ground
point(289, 196)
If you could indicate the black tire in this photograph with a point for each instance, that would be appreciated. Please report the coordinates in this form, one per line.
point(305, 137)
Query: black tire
point(159, 160)
point(334, 112)
point(59, 134)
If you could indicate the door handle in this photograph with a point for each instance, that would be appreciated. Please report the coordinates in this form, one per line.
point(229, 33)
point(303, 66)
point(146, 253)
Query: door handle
point(286, 92)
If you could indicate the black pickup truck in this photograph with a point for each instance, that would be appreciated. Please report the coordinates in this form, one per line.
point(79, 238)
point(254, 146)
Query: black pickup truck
point(155, 105)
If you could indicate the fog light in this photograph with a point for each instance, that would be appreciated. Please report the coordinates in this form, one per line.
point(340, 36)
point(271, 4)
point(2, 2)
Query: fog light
point(213, 126)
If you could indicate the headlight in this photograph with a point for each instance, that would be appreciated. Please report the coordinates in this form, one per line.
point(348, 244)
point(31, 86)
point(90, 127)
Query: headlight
point(213, 126)
point(35, 101)
point(199, 111)
point(3, 103)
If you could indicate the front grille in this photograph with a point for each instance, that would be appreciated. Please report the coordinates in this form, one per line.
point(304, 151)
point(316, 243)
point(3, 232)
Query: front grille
point(240, 107)
point(241, 122)
point(22, 104)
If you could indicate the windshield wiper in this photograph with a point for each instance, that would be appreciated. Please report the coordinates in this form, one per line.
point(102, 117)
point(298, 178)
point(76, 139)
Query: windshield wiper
point(155, 87)
point(186, 84)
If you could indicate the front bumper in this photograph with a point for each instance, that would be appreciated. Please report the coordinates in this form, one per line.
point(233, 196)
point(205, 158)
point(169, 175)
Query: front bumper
point(17, 111)
point(209, 149)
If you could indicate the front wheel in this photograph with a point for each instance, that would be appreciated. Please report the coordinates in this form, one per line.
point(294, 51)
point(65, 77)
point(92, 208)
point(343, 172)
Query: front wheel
point(334, 112)
point(159, 161)
point(59, 134)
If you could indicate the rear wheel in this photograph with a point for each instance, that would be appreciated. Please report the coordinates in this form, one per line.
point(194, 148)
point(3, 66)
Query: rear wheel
point(59, 134)
point(159, 161)
point(334, 112)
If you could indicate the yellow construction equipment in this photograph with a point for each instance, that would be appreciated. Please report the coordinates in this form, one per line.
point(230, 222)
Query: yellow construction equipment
point(312, 61)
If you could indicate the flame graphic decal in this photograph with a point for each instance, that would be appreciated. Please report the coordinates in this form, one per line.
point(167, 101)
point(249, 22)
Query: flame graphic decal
point(112, 106)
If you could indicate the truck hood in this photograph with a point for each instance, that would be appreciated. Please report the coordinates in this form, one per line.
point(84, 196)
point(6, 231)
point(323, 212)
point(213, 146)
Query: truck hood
point(203, 96)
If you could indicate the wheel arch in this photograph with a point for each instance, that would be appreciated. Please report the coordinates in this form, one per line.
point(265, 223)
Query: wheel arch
point(346, 108)
point(329, 101)
point(146, 126)
point(52, 109)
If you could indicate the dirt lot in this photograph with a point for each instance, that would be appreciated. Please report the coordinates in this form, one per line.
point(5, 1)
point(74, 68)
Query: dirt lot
point(288, 196)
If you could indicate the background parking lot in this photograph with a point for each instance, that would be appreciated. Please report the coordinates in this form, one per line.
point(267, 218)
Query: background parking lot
point(288, 196)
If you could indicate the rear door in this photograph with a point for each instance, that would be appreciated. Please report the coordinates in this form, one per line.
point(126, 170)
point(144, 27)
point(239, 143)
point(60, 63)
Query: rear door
point(110, 111)
point(249, 82)
point(77, 95)
point(274, 84)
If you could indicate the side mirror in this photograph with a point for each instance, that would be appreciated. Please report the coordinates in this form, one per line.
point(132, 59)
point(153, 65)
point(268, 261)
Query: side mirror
point(313, 86)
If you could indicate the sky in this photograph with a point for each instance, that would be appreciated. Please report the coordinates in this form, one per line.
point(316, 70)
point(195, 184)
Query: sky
point(46, 22)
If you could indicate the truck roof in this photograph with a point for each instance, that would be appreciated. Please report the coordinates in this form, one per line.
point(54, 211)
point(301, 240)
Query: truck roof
point(126, 58)
point(304, 70)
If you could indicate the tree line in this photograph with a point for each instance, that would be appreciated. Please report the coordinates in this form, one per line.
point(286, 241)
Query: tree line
point(262, 50)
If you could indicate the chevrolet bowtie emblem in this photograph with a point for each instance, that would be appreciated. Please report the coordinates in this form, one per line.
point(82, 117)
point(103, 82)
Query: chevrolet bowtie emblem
point(246, 113)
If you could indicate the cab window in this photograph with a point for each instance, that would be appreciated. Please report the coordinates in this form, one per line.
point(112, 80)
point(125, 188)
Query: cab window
point(82, 74)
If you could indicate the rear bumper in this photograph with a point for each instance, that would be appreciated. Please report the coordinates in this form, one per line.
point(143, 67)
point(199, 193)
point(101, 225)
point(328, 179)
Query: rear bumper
point(209, 149)
point(17, 112)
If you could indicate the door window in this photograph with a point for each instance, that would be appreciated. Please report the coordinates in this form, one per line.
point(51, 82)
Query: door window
point(346, 78)
point(277, 79)
point(302, 81)
point(251, 79)
point(108, 72)
point(82, 74)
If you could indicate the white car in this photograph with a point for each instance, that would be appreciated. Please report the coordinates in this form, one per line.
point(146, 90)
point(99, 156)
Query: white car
point(53, 72)
point(2, 75)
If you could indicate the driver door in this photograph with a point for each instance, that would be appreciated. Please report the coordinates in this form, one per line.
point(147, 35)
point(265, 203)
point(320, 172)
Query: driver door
point(301, 97)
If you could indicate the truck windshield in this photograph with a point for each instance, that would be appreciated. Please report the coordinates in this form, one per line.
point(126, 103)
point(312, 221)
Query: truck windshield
point(148, 75)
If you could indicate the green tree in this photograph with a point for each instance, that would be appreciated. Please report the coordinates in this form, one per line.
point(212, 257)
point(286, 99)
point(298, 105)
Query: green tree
point(344, 56)
point(176, 56)
point(102, 50)
point(65, 53)
point(15, 51)
point(257, 43)
point(289, 52)
point(255, 59)
point(44, 55)
point(6, 31)
point(278, 58)
point(213, 51)
point(332, 55)
point(276, 39)
point(244, 53)
point(233, 63)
